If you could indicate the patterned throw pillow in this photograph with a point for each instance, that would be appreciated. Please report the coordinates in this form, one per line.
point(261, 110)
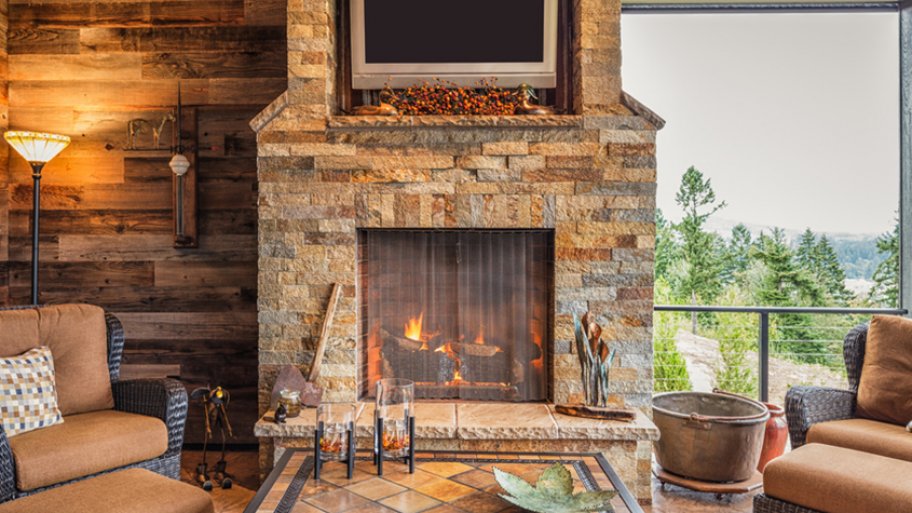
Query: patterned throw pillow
point(28, 396)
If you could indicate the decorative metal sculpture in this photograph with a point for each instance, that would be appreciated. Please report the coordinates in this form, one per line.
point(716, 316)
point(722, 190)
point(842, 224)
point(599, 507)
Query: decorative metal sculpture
point(138, 126)
point(552, 493)
point(595, 361)
point(215, 405)
point(526, 104)
point(384, 109)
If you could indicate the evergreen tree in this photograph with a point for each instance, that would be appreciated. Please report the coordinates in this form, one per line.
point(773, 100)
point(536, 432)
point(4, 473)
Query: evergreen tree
point(818, 258)
point(806, 253)
point(700, 250)
point(667, 250)
point(830, 273)
point(886, 276)
point(783, 282)
point(737, 254)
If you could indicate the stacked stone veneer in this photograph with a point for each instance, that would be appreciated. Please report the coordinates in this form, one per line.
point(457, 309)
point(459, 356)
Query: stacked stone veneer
point(589, 176)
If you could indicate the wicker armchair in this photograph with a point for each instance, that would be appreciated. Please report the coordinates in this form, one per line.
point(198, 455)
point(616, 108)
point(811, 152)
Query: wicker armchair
point(806, 406)
point(165, 399)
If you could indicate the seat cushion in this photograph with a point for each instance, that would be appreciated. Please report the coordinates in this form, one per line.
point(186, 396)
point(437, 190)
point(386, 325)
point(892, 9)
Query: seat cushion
point(85, 444)
point(838, 480)
point(77, 336)
point(886, 376)
point(125, 491)
point(865, 435)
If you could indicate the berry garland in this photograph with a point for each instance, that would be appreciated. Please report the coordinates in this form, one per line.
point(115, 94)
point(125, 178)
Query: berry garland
point(447, 98)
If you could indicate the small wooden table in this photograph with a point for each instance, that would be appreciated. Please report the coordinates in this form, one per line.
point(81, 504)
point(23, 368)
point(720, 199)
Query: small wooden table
point(443, 482)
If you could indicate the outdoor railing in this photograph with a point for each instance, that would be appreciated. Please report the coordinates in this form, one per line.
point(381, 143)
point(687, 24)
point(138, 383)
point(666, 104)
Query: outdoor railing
point(804, 344)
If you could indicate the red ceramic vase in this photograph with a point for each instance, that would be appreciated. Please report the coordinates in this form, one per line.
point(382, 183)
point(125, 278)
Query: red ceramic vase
point(776, 437)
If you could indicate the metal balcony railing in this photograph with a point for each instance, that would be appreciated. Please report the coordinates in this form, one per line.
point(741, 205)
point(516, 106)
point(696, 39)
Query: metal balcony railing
point(805, 344)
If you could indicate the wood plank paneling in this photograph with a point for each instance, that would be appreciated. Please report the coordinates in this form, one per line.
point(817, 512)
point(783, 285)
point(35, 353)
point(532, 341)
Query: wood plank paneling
point(85, 68)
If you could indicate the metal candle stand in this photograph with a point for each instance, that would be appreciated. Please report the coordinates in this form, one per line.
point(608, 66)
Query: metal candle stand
point(378, 445)
point(350, 457)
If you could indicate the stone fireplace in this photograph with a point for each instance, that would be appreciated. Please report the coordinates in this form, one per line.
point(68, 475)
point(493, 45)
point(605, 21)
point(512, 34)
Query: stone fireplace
point(464, 245)
point(466, 314)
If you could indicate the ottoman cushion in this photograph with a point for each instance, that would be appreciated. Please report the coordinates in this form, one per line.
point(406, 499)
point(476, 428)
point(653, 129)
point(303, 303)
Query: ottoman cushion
point(838, 480)
point(126, 491)
point(864, 435)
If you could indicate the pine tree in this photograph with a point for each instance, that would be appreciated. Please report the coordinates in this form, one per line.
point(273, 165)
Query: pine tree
point(886, 277)
point(783, 283)
point(818, 258)
point(737, 254)
point(830, 273)
point(667, 250)
point(700, 250)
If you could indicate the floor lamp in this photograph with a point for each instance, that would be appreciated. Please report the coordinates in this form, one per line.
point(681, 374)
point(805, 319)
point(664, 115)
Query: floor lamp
point(38, 149)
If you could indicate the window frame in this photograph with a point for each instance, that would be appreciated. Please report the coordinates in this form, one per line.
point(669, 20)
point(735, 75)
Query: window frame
point(904, 9)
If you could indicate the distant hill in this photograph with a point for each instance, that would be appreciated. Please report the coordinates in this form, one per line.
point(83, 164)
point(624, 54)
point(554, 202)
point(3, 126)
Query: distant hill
point(857, 252)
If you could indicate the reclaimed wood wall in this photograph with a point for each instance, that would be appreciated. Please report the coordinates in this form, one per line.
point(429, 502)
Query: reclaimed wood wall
point(4, 154)
point(84, 68)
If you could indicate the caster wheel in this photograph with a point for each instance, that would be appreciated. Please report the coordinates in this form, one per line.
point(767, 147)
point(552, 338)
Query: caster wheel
point(207, 486)
point(226, 484)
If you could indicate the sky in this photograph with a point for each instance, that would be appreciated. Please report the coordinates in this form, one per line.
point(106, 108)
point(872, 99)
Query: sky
point(794, 117)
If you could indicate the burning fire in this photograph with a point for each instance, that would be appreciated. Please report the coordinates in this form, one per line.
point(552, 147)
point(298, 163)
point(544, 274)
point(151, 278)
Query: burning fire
point(413, 331)
point(451, 354)
point(479, 339)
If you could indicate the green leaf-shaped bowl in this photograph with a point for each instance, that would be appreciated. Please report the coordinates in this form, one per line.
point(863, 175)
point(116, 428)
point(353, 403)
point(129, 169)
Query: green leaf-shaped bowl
point(552, 493)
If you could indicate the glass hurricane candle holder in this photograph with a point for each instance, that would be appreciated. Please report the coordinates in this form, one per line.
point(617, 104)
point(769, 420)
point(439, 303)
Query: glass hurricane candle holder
point(334, 438)
point(395, 422)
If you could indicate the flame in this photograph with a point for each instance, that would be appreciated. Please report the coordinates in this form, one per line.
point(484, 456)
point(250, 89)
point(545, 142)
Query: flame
point(479, 339)
point(413, 331)
point(538, 363)
point(451, 354)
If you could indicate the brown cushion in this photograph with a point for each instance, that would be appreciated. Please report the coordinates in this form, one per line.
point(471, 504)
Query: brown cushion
point(126, 491)
point(85, 444)
point(886, 376)
point(838, 480)
point(77, 336)
point(864, 435)
point(19, 333)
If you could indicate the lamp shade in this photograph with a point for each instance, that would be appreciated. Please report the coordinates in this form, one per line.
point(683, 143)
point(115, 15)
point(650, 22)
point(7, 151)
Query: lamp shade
point(36, 147)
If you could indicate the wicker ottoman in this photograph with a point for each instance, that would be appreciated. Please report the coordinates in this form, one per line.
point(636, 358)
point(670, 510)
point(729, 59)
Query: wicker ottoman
point(126, 491)
point(819, 478)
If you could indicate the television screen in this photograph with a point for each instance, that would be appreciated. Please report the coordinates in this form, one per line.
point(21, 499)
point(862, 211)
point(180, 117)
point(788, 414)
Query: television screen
point(462, 31)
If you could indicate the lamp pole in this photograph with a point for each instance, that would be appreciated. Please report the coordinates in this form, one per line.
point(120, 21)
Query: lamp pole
point(36, 209)
point(37, 149)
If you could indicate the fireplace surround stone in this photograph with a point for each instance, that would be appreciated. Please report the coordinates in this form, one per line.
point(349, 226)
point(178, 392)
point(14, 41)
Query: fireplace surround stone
point(588, 175)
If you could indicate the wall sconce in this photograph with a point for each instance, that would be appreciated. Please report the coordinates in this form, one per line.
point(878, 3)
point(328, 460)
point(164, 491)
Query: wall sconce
point(185, 228)
point(38, 149)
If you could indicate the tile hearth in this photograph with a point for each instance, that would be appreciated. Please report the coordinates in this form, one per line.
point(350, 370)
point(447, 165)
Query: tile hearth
point(446, 426)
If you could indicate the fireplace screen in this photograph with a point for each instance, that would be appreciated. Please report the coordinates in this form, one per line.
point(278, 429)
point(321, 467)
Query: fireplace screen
point(466, 314)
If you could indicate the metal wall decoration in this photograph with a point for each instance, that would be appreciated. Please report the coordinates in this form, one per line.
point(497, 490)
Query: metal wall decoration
point(138, 127)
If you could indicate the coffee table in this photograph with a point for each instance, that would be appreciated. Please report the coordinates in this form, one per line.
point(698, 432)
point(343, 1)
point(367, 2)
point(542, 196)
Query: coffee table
point(443, 482)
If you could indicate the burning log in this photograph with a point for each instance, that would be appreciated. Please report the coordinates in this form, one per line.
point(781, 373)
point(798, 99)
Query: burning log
point(403, 343)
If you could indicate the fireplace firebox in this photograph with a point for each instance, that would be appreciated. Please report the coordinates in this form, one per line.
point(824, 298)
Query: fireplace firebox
point(466, 314)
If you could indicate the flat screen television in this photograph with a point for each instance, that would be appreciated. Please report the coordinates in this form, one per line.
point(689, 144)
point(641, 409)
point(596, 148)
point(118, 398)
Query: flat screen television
point(408, 42)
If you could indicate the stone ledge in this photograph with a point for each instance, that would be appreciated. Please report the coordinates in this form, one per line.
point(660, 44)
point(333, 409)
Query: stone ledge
point(482, 421)
point(393, 122)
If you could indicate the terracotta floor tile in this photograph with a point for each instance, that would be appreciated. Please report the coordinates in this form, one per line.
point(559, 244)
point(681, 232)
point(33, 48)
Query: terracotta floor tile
point(338, 501)
point(445, 491)
point(445, 468)
point(376, 488)
point(481, 502)
point(410, 502)
point(476, 478)
point(418, 479)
